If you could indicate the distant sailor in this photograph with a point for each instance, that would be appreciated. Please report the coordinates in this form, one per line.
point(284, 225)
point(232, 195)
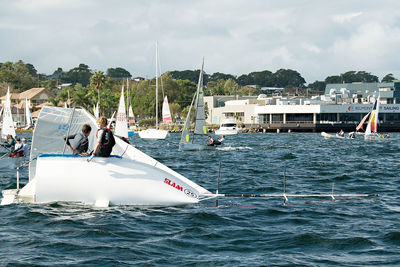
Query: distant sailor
point(25, 147)
point(17, 152)
point(80, 141)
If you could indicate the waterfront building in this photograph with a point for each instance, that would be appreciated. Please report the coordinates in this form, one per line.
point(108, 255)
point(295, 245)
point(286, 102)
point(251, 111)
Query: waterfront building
point(341, 107)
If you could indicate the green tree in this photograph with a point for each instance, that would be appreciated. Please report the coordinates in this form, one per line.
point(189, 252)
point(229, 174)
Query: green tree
point(288, 77)
point(118, 73)
point(249, 91)
point(17, 74)
point(333, 79)
point(96, 81)
point(317, 86)
point(175, 109)
point(80, 74)
point(221, 76)
point(388, 78)
point(231, 87)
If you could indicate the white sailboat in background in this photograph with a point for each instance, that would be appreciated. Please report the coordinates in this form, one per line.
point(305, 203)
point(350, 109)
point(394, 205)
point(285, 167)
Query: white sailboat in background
point(154, 133)
point(28, 115)
point(166, 113)
point(121, 124)
point(197, 140)
point(131, 116)
point(371, 133)
point(96, 111)
point(7, 127)
point(8, 123)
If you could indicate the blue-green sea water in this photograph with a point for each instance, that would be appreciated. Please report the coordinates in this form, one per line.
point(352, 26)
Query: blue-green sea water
point(240, 231)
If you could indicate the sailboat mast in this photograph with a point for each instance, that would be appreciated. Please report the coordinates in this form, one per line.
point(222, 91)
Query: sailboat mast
point(156, 85)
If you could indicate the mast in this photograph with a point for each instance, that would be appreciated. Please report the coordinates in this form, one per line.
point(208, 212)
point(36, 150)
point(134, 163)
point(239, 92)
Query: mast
point(156, 85)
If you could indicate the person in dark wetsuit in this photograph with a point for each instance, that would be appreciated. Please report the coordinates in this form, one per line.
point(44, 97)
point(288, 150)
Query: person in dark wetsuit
point(80, 144)
point(105, 139)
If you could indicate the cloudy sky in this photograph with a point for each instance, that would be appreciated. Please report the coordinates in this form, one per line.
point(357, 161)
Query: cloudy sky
point(317, 38)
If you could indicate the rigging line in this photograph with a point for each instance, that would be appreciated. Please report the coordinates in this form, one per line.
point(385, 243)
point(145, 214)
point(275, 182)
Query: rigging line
point(69, 129)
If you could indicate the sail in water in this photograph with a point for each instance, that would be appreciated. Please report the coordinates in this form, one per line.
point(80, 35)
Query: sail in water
point(166, 113)
point(8, 123)
point(28, 115)
point(121, 124)
point(372, 127)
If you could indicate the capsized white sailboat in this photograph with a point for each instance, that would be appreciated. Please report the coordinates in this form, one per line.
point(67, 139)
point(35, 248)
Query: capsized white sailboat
point(371, 133)
point(121, 124)
point(198, 139)
point(154, 133)
point(166, 113)
point(127, 177)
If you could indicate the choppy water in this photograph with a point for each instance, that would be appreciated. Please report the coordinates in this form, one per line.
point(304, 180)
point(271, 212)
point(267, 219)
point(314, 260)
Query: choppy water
point(357, 232)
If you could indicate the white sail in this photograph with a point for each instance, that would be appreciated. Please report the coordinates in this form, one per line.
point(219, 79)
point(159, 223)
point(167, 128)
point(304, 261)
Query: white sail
point(121, 124)
point(166, 113)
point(8, 123)
point(28, 115)
point(97, 111)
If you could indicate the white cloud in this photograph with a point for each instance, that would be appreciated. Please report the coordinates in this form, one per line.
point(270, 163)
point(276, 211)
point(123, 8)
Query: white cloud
point(343, 18)
point(316, 38)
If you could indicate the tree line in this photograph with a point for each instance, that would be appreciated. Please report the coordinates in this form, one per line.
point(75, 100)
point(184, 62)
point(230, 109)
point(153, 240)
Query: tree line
point(88, 87)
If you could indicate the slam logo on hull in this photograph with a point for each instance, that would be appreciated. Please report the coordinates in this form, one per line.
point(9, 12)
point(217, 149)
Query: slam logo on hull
point(180, 188)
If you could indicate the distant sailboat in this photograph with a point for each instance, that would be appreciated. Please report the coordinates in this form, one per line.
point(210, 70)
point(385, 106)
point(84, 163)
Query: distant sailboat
point(131, 116)
point(166, 113)
point(121, 124)
point(197, 140)
point(96, 111)
point(28, 115)
point(8, 123)
point(371, 133)
point(154, 133)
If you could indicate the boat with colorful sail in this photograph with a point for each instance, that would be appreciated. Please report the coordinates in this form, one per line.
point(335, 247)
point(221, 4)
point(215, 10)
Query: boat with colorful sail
point(371, 132)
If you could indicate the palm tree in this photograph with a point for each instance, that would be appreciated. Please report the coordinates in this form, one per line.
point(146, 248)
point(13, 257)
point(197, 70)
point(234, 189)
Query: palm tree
point(97, 81)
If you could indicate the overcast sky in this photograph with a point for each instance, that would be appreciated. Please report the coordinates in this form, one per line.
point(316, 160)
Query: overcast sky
point(316, 38)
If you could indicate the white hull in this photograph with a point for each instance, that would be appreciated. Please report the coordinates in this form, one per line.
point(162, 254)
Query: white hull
point(228, 126)
point(371, 137)
point(222, 131)
point(153, 134)
point(113, 180)
point(331, 136)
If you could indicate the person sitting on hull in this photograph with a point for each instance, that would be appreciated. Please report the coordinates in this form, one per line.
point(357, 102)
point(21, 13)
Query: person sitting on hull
point(80, 141)
point(18, 149)
point(10, 141)
point(105, 139)
point(341, 133)
point(212, 142)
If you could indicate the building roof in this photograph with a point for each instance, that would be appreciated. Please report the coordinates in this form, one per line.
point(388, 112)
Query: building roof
point(29, 94)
